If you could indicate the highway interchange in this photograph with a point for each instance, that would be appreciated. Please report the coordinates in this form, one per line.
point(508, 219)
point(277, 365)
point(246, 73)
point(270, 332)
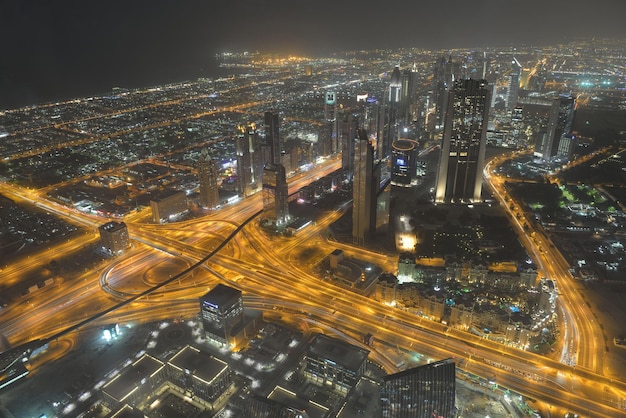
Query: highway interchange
point(260, 266)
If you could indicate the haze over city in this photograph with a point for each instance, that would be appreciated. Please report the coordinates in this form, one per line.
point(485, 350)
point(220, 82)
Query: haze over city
point(313, 209)
point(71, 48)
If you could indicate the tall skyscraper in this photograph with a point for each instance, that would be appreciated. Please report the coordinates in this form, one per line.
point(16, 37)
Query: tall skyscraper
point(392, 107)
point(246, 146)
point(221, 311)
point(408, 95)
point(445, 73)
point(207, 177)
point(560, 122)
point(513, 87)
point(459, 176)
point(272, 136)
point(276, 192)
point(422, 392)
point(364, 190)
point(331, 122)
point(349, 126)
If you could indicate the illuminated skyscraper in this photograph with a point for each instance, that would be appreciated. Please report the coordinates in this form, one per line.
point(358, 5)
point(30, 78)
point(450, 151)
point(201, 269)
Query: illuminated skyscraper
point(331, 123)
point(445, 74)
point(246, 145)
point(422, 392)
point(408, 95)
point(272, 136)
point(513, 88)
point(364, 189)
point(392, 107)
point(221, 311)
point(207, 177)
point(557, 141)
point(459, 176)
point(349, 126)
point(276, 192)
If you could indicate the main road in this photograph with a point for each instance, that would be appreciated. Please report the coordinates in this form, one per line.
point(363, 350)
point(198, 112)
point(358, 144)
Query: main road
point(259, 265)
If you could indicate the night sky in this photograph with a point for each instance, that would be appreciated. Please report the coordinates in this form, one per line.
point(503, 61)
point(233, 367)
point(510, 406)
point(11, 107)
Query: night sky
point(62, 49)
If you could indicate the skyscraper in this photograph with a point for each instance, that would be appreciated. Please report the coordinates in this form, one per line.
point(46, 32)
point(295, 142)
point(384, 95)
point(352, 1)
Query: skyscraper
point(349, 126)
point(560, 122)
point(221, 311)
point(513, 88)
point(272, 136)
point(207, 177)
point(445, 74)
point(422, 392)
point(392, 107)
point(364, 190)
point(459, 176)
point(246, 145)
point(276, 192)
point(408, 95)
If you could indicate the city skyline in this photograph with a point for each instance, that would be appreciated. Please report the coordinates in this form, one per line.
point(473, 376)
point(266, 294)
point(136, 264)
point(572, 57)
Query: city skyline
point(72, 49)
point(499, 284)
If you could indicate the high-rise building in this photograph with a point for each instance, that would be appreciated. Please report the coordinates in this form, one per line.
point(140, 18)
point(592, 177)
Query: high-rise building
point(276, 192)
point(446, 72)
point(272, 136)
point(403, 162)
point(207, 177)
point(221, 311)
point(392, 110)
point(114, 237)
point(459, 176)
point(422, 392)
point(560, 122)
point(513, 87)
point(364, 190)
point(246, 145)
point(168, 206)
point(331, 123)
point(408, 95)
point(349, 127)
point(334, 364)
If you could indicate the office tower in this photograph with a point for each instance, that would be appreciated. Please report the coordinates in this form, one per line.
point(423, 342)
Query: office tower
point(331, 122)
point(517, 124)
point(513, 85)
point(364, 190)
point(403, 162)
point(207, 177)
point(392, 108)
point(221, 312)
point(247, 140)
point(459, 176)
point(272, 136)
point(324, 138)
point(349, 127)
point(445, 74)
point(422, 392)
point(276, 192)
point(114, 237)
point(334, 364)
point(168, 206)
point(560, 122)
point(382, 193)
point(408, 95)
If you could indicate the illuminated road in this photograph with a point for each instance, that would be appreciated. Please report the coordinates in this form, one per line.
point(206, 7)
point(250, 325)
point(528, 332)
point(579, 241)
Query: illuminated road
point(583, 342)
point(260, 266)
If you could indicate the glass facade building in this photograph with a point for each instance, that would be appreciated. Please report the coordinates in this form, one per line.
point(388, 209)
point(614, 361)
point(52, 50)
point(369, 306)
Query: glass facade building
point(425, 391)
